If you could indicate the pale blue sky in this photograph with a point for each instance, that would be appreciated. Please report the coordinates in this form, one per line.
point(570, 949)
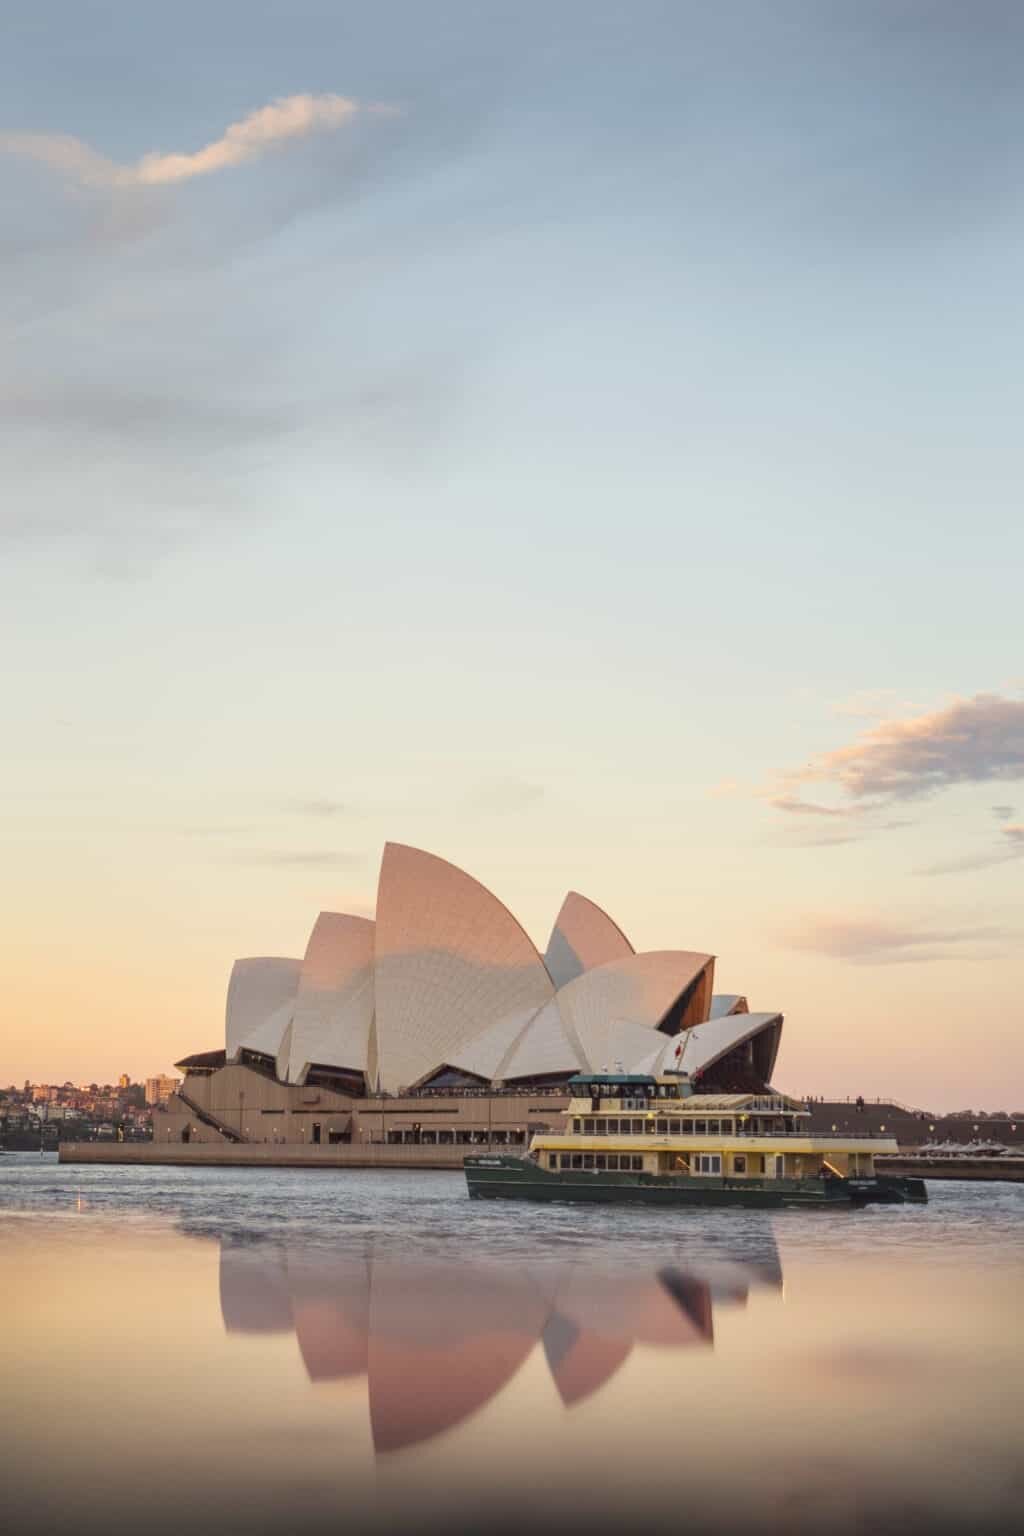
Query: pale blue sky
point(500, 472)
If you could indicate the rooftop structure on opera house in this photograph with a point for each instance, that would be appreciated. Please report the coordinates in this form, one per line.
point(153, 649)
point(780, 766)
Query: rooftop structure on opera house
point(440, 1021)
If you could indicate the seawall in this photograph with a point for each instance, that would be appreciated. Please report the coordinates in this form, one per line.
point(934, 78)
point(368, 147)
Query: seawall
point(259, 1155)
point(995, 1169)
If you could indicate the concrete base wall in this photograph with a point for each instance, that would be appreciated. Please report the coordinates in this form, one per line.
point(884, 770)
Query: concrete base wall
point(282, 1115)
point(994, 1169)
point(238, 1155)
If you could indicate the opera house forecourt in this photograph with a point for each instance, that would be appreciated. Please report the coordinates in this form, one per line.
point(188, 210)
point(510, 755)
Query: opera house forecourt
point(438, 1026)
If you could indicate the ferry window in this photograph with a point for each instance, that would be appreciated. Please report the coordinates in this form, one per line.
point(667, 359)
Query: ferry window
point(638, 1127)
point(588, 1159)
point(576, 1127)
point(716, 1163)
point(552, 1160)
point(599, 1161)
point(726, 1127)
point(613, 1161)
point(613, 1127)
point(675, 1127)
point(577, 1160)
point(588, 1127)
point(662, 1127)
point(638, 1165)
point(739, 1165)
point(713, 1128)
point(564, 1160)
point(601, 1127)
point(700, 1127)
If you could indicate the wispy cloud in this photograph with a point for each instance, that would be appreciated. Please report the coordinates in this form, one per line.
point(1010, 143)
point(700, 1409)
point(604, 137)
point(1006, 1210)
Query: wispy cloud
point(280, 122)
point(726, 788)
point(870, 940)
point(317, 809)
point(1003, 812)
point(970, 741)
point(1008, 850)
point(183, 387)
point(797, 807)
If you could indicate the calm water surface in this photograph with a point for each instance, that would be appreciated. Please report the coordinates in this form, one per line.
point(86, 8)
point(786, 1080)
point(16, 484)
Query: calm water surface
point(279, 1350)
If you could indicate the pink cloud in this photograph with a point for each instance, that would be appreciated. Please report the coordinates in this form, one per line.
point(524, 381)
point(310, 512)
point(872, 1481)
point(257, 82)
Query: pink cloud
point(970, 741)
point(287, 119)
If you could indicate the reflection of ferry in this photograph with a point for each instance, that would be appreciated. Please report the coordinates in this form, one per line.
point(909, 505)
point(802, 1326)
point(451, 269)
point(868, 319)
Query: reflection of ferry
point(437, 1340)
point(651, 1140)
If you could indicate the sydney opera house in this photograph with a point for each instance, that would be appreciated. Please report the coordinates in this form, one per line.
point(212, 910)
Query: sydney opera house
point(439, 1022)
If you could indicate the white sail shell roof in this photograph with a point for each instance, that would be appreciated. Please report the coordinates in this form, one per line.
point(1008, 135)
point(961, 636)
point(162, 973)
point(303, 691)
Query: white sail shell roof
point(333, 1008)
point(583, 936)
point(608, 1015)
point(707, 1043)
point(483, 1056)
point(447, 978)
point(640, 990)
point(451, 962)
point(259, 1004)
point(543, 1050)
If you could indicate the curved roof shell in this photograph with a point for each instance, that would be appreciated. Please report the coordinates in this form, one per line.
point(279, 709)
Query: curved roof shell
point(333, 1008)
point(707, 1043)
point(484, 1055)
point(641, 990)
point(610, 1014)
point(451, 962)
point(583, 936)
point(259, 1004)
point(543, 1049)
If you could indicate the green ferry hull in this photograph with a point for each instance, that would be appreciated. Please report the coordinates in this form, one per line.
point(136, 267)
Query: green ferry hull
point(512, 1178)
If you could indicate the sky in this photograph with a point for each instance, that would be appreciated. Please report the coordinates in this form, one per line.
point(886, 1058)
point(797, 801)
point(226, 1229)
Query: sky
point(579, 439)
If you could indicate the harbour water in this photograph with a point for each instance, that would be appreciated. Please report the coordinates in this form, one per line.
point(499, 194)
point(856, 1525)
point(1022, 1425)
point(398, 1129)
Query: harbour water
point(276, 1350)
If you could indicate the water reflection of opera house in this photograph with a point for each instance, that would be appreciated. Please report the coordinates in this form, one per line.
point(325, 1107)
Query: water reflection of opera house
point(440, 1023)
point(434, 1341)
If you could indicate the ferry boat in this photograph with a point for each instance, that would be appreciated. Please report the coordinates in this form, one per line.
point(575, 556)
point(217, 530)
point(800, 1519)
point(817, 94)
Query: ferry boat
point(634, 1139)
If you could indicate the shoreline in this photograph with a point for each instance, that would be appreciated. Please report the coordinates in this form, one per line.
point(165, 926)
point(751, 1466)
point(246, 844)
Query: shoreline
point(435, 1158)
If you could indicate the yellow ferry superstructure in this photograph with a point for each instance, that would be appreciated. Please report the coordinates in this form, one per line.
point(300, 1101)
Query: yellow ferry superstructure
point(746, 1135)
point(656, 1140)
